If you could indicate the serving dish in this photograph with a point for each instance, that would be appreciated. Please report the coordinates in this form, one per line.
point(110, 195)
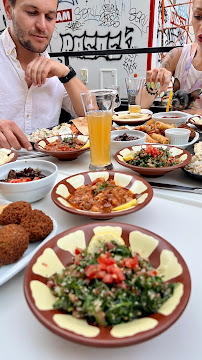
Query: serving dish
point(28, 191)
point(59, 251)
point(150, 171)
point(193, 121)
point(117, 145)
point(140, 187)
point(7, 156)
point(171, 117)
point(62, 155)
point(8, 271)
point(126, 118)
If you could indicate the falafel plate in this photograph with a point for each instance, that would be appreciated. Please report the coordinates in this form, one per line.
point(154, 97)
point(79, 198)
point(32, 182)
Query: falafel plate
point(14, 258)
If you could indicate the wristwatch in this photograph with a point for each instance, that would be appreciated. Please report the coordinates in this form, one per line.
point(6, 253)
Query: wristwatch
point(69, 76)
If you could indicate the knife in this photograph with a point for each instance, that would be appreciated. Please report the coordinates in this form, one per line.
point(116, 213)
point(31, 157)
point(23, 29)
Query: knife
point(195, 190)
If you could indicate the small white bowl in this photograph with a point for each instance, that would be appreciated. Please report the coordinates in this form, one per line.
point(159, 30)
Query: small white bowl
point(177, 136)
point(171, 117)
point(28, 191)
point(118, 145)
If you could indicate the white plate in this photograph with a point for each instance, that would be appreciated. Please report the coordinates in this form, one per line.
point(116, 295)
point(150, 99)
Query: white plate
point(8, 271)
point(143, 111)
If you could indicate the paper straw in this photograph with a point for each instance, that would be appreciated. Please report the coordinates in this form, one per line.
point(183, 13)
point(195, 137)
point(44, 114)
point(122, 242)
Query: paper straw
point(169, 101)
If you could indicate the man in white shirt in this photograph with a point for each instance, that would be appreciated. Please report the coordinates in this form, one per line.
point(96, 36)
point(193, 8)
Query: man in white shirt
point(33, 87)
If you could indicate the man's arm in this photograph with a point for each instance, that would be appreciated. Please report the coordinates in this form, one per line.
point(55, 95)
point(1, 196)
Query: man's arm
point(42, 68)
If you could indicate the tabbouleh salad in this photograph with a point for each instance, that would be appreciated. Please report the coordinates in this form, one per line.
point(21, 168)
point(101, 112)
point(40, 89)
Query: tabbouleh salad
point(110, 287)
point(152, 157)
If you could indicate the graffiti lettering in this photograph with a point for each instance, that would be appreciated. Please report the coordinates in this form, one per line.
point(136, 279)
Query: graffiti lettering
point(86, 14)
point(130, 63)
point(110, 16)
point(140, 20)
point(71, 2)
point(91, 42)
point(74, 25)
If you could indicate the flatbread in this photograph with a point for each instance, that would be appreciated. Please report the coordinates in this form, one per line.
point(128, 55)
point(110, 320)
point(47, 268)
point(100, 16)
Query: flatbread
point(132, 116)
point(81, 125)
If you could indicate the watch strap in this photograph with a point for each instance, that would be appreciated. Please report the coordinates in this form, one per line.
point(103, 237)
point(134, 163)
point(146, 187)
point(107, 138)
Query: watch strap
point(69, 76)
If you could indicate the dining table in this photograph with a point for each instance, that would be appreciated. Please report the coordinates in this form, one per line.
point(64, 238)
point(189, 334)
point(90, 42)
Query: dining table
point(175, 216)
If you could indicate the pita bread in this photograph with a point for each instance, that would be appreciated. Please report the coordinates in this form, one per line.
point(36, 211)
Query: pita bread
point(132, 116)
point(81, 124)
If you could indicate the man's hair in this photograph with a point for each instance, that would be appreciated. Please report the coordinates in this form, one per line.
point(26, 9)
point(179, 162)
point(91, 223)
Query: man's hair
point(13, 2)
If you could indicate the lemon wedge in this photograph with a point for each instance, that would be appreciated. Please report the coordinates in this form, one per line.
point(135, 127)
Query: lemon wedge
point(128, 157)
point(126, 205)
point(86, 145)
point(98, 240)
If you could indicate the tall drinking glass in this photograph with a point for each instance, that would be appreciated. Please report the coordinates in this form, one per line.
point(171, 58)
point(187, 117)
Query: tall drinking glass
point(117, 101)
point(98, 106)
point(134, 88)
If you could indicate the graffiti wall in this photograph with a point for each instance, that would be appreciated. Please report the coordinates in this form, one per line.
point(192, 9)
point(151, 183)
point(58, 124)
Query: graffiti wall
point(176, 18)
point(101, 25)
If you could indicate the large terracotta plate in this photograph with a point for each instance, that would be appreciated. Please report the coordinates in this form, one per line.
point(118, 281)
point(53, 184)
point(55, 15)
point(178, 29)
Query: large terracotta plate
point(143, 192)
point(153, 171)
point(157, 249)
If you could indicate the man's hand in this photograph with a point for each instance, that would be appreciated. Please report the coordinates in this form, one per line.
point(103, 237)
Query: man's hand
point(42, 68)
point(12, 136)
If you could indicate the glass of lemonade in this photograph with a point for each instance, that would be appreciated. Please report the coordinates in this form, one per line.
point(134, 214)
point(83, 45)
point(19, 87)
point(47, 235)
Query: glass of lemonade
point(134, 88)
point(98, 106)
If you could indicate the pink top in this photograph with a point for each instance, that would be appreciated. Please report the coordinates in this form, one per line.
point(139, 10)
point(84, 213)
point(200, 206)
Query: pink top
point(193, 76)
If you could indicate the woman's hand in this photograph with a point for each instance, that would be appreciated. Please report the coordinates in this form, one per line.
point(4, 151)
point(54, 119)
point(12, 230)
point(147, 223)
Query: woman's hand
point(159, 80)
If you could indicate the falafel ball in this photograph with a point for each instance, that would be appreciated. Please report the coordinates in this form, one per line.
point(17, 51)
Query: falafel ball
point(14, 240)
point(37, 224)
point(15, 212)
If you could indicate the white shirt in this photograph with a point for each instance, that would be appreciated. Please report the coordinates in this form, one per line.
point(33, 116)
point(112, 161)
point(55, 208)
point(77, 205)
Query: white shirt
point(36, 107)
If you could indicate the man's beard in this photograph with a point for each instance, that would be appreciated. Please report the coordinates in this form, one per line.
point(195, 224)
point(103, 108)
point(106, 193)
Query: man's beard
point(20, 35)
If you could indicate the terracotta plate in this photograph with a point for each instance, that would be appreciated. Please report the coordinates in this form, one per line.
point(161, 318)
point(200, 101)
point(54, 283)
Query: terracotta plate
point(61, 155)
point(67, 186)
point(105, 336)
point(7, 156)
point(149, 171)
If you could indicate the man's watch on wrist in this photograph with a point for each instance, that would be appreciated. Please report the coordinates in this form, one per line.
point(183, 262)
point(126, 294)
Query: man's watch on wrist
point(69, 76)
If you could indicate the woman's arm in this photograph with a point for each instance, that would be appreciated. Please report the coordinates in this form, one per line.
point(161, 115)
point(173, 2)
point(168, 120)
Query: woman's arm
point(158, 80)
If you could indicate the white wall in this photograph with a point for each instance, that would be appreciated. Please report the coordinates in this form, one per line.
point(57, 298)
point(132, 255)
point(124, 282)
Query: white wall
point(101, 25)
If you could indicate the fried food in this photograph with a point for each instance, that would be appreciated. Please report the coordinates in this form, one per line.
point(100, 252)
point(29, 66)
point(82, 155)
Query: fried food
point(14, 241)
point(15, 212)
point(37, 224)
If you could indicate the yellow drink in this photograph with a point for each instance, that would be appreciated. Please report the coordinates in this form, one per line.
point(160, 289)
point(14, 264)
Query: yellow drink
point(99, 127)
point(134, 108)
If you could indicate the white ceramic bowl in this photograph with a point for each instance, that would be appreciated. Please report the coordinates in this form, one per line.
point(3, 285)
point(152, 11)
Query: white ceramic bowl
point(28, 191)
point(171, 117)
point(177, 136)
point(118, 145)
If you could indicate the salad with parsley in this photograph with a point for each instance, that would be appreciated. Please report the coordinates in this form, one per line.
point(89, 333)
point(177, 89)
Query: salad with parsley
point(109, 287)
